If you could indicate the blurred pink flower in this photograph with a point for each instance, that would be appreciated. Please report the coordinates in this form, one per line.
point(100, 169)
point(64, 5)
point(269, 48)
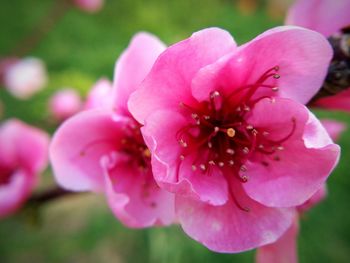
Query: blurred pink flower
point(25, 77)
point(100, 95)
point(229, 133)
point(91, 6)
point(65, 103)
point(324, 16)
point(23, 155)
point(285, 248)
point(327, 17)
point(102, 149)
point(5, 64)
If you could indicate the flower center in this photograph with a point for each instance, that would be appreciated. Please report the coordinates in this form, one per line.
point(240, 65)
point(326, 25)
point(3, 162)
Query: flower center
point(219, 130)
point(5, 174)
point(134, 146)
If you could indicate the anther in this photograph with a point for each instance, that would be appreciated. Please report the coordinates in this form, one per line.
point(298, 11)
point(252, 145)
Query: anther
point(261, 146)
point(211, 162)
point(245, 150)
point(202, 166)
point(276, 76)
point(230, 132)
point(231, 162)
point(246, 108)
point(182, 157)
point(254, 132)
point(230, 151)
point(146, 152)
point(249, 127)
point(280, 148)
point(206, 117)
point(244, 178)
point(238, 109)
point(210, 145)
point(183, 143)
point(198, 122)
point(243, 168)
point(194, 168)
point(275, 89)
point(214, 94)
point(194, 116)
point(276, 68)
point(216, 129)
point(221, 164)
point(265, 133)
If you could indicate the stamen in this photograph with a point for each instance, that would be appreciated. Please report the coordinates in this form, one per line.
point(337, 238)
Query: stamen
point(230, 132)
point(230, 151)
point(243, 168)
point(146, 152)
point(245, 150)
point(183, 143)
point(202, 166)
point(211, 162)
point(221, 164)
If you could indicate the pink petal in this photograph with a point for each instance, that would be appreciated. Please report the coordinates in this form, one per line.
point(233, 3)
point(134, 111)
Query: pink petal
point(314, 200)
point(334, 128)
point(229, 229)
point(78, 146)
point(25, 78)
point(340, 101)
point(135, 198)
point(13, 194)
point(304, 164)
point(169, 172)
point(23, 145)
point(324, 16)
point(100, 95)
point(284, 250)
point(133, 66)
point(169, 81)
point(65, 103)
point(302, 56)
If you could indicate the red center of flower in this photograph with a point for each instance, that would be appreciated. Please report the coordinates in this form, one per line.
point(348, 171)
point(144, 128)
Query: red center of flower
point(5, 174)
point(134, 146)
point(221, 134)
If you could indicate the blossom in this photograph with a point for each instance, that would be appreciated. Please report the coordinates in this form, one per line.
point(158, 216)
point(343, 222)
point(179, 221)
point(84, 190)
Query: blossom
point(285, 248)
point(229, 133)
point(328, 17)
point(91, 6)
point(102, 149)
point(65, 103)
point(324, 16)
point(25, 78)
point(100, 95)
point(23, 155)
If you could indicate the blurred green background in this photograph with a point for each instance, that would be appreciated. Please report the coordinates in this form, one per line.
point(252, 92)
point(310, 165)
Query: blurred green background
point(80, 49)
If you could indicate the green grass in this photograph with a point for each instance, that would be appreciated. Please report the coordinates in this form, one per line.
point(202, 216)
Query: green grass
point(82, 48)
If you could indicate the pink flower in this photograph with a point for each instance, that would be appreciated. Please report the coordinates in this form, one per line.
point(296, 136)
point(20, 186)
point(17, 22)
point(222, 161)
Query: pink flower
point(285, 248)
point(65, 103)
point(100, 95)
point(324, 16)
point(91, 6)
point(103, 150)
point(328, 17)
point(229, 133)
point(25, 78)
point(23, 155)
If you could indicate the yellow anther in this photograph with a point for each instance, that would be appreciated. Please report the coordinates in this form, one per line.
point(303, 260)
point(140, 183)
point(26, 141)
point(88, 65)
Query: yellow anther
point(231, 132)
point(147, 153)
